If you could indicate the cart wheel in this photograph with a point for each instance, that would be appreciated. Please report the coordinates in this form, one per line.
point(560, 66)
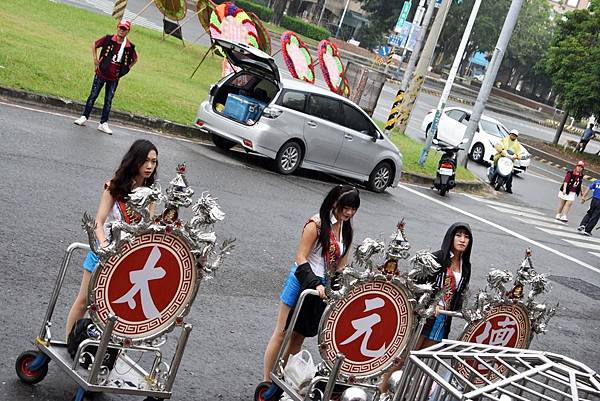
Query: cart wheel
point(266, 391)
point(26, 375)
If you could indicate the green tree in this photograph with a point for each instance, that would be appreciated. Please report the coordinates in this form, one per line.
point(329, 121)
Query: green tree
point(383, 15)
point(572, 63)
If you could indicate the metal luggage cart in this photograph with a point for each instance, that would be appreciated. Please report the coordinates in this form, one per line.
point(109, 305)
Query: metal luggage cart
point(154, 383)
point(132, 308)
point(454, 370)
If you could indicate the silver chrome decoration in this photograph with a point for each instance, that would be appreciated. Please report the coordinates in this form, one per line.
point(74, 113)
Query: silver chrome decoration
point(198, 233)
point(498, 292)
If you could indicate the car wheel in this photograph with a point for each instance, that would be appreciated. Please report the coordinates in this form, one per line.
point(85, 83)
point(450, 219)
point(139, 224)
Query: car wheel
point(477, 152)
point(222, 143)
point(288, 158)
point(380, 177)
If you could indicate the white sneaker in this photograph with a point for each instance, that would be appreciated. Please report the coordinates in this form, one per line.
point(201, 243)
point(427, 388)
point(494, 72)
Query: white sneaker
point(563, 218)
point(80, 121)
point(580, 228)
point(104, 128)
point(557, 217)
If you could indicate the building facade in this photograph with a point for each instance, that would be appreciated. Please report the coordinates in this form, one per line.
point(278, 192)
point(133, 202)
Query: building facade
point(562, 6)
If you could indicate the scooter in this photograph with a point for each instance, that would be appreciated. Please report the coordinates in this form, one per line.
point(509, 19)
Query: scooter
point(445, 177)
point(504, 171)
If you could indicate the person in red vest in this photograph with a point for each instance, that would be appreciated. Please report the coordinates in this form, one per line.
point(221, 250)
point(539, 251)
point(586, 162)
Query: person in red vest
point(117, 57)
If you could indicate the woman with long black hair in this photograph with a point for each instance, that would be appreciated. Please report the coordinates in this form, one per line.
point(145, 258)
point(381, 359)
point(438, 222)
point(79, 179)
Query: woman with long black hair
point(323, 251)
point(137, 169)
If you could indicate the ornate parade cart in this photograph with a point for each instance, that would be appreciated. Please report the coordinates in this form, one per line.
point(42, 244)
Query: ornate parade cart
point(369, 324)
point(143, 288)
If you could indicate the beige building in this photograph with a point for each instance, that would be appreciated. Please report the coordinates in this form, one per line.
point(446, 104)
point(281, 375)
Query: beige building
point(562, 6)
point(330, 15)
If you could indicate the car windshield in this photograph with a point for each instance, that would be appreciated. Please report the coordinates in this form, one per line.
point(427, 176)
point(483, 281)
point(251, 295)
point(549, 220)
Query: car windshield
point(493, 129)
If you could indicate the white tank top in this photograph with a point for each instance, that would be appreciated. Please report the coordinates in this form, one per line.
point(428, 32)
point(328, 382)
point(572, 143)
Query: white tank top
point(315, 257)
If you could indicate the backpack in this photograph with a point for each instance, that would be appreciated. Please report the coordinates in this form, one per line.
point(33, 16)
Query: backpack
point(82, 330)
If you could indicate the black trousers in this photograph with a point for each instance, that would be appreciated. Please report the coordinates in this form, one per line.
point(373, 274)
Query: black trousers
point(592, 216)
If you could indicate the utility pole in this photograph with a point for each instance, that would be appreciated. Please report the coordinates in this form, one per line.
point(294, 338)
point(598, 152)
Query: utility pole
point(411, 66)
point(490, 75)
point(421, 70)
point(451, 76)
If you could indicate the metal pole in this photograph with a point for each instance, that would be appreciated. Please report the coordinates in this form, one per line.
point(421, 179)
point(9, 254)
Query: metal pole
point(322, 12)
point(101, 351)
point(409, 68)
point(490, 75)
point(342, 18)
point(451, 76)
point(421, 70)
point(412, 61)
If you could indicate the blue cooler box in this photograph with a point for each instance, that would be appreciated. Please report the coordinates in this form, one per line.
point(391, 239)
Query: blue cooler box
point(242, 108)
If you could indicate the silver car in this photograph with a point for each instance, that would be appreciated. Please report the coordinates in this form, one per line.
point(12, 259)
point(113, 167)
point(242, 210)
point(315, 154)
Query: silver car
point(295, 123)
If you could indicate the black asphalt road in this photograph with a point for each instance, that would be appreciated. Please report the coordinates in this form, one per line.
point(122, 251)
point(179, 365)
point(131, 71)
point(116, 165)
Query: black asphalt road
point(53, 171)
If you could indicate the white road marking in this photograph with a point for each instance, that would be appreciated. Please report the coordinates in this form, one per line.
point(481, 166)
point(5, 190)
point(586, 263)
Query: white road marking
point(501, 204)
point(548, 171)
point(556, 225)
point(504, 229)
point(541, 177)
point(519, 213)
point(583, 244)
point(570, 235)
point(106, 7)
point(595, 254)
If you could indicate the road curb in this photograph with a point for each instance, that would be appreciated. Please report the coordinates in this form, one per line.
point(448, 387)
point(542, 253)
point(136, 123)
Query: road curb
point(470, 186)
point(556, 161)
point(146, 122)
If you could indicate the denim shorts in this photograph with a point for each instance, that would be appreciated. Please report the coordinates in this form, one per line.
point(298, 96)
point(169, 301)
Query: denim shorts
point(292, 288)
point(91, 262)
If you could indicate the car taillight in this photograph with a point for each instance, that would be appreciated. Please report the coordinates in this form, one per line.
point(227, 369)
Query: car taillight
point(199, 123)
point(271, 112)
point(446, 165)
point(247, 143)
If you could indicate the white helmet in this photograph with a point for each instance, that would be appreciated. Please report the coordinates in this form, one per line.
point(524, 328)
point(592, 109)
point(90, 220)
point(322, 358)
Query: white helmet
point(514, 132)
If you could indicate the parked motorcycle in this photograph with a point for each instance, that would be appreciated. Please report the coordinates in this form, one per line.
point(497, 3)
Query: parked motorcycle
point(445, 177)
point(504, 171)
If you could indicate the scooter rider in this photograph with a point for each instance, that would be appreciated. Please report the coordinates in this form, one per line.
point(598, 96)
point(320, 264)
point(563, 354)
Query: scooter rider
point(507, 143)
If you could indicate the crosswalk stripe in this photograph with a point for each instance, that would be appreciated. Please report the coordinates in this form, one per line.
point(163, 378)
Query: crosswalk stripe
point(569, 235)
point(583, 244)
point(107, 7)
point(595, 254)
point(556, 225)
point(505, 205)
point(520, 213)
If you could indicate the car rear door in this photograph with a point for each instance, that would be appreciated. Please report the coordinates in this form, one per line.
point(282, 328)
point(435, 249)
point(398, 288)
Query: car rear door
point(323, 133)
point(452, 126)
point(358, 147)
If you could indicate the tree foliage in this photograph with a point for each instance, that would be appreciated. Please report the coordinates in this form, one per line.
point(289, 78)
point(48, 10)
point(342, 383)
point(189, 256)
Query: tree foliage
point(383, 15)
point(572, 62)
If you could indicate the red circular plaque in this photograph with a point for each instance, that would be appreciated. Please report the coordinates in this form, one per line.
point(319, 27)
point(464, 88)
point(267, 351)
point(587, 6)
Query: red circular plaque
point(506, 325)
point(370, 326)
point(147, 286)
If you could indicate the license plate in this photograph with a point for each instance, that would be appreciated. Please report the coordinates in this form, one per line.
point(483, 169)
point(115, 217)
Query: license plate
point(446, 171)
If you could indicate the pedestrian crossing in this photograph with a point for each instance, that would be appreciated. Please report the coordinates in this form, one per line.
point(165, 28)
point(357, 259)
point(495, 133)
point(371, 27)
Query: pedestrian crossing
point(546, 224)
point(106, 6)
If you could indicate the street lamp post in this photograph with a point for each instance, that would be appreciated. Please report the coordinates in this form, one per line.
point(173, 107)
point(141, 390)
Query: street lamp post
point(446, 92)
point(342, 18)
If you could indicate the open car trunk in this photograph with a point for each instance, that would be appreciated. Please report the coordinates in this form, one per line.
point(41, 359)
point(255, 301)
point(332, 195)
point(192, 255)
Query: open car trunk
point(243, 97)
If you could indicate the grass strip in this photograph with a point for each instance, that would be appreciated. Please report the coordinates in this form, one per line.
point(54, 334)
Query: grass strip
point(45, 47)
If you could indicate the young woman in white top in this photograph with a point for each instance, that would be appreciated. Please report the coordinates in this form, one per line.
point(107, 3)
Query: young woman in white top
point(323, 251)
point(138, 168)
